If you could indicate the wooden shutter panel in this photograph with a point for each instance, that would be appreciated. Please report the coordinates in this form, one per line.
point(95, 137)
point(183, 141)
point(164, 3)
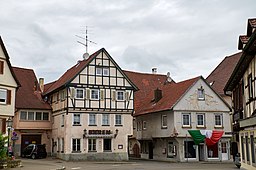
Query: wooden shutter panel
point(101, 94)
point(127, 96)
point(9, 96)
point(3, 126)
point(113, 95)
point(1, 67)
point(88, 93)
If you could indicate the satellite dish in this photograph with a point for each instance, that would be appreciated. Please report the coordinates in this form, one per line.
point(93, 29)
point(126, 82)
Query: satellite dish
point(86, 56)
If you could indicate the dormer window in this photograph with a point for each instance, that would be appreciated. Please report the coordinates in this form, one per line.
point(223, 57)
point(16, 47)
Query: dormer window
point(200, 94)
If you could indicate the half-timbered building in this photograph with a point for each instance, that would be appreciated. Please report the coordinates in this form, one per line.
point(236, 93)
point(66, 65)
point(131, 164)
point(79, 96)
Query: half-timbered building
point(8, 86)
point(242, 86)
point(92, 106)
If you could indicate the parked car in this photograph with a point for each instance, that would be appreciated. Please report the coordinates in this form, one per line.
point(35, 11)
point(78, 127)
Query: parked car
point(34, 151)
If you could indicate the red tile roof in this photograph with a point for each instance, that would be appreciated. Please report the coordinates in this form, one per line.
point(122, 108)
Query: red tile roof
point(221, 74)
point(26, 96)
point(70, 74)
point(147, 83)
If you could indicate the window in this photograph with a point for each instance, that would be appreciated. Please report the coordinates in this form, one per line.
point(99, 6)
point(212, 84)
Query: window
point(76, 145)
point(120, 95)
point(200, 94)
point(164, 121)
point(144, 125)
point(134, 123)
point(76, 119)
point(171, 150)
point(218, 119)
point(105, 119)
point(118, 119)
point(95, 93)
point(186, 119)
point(213, 151)
point(250, 86)
point(189, 149)
point(30, 115)
point(102, 71)
point(107, 145)
point(62, 95)
point(62, 121)
point(3, 96)
point(62, 145)
point(91, 145)
point(92, 119)
point(23, 115)
point(80, 93)
point(200, 119)
point(1, 67)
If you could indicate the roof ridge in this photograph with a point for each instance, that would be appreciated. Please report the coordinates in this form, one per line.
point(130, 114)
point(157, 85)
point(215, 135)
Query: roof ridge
point(157, 74)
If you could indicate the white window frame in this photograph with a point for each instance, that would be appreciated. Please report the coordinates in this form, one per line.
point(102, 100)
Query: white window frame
point(197, 120)
point(118, 94)
point(73, 121)
point(189, 119)
point(92, 145)
point(95, 119)
point(118, 121)
point(162, 121)
point(201, 94)
point(105, 119)
point(221, 120)
point(105, 73)
point(102, 71)
point(78, 97)
point(25, 113)
point(93, 96)
point(99, 71)
point(3, 96)
point(76, 148)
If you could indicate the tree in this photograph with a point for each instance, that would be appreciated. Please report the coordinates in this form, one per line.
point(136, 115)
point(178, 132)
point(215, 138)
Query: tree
point(3, 149)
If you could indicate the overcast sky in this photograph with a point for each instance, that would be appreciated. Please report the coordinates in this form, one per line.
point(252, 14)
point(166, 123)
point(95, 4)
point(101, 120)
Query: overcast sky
point(185, 37)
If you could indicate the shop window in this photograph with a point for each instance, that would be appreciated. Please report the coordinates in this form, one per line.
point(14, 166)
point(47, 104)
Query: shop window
point(189, 149)
point(171, 150)
point(247, 149)
point(253, 148)
point(76, 145)
point(91, 145)
point(213, 151)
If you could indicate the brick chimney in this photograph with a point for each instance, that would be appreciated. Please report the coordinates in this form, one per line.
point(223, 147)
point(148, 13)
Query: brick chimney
point(154, 70)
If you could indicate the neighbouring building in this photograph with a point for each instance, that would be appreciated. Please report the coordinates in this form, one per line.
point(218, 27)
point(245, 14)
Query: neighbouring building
point(8, 86)
point(164, 112)
point(242, 86)
point(32, 122)
point(218, 79)
point(92, 105)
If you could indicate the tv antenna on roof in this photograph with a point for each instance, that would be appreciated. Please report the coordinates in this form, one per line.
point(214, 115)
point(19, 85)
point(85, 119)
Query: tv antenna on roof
point(86, 54)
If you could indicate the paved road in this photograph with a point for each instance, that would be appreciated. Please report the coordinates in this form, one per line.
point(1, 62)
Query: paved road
point(53, 164)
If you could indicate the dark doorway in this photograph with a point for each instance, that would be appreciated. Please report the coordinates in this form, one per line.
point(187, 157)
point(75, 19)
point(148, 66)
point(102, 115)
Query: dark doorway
point(136, 150)
point(30, 139)
point(201, 152)
point(107, 145)
point(150, 150)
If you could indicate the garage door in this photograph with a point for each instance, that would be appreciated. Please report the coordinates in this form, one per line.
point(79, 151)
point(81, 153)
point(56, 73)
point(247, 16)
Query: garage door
point(30, 139)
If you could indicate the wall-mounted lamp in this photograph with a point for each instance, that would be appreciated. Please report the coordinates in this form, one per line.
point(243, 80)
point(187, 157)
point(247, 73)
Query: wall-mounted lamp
point(85, 133)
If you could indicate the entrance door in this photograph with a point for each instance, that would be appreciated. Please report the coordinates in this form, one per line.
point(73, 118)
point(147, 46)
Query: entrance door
point(201, 152)
point(29, 139)
point(150, 150)
point(224, 151)
point(136, 150)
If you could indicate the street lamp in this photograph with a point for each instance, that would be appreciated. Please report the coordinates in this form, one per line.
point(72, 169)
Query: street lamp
point(9, 126)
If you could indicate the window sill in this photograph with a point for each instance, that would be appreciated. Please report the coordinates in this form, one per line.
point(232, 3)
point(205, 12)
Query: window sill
point(77, 125)
point(92, 151)
point(119, 125)
point(186, 126)
point(105, 125)
point(218, 127)
point(76, 151)
point(92, 125)
point(201, 127)
point(164, 127)
point(107, 151)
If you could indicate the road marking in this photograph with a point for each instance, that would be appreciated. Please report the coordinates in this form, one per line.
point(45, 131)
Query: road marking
point(76, 168)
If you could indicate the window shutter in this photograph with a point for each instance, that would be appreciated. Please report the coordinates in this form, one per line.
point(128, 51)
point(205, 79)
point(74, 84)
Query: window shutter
point(3, 126)
point(127, 96)
point(72, 92)
point(88, 91)
point(113, 95)
point(1, 67)
point(101, 94)
point(9, 96)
